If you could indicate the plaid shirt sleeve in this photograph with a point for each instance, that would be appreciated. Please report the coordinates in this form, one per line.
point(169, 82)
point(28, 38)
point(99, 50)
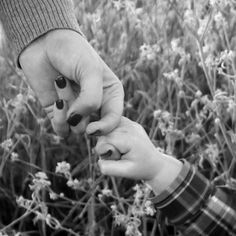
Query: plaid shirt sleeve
point(196, 206)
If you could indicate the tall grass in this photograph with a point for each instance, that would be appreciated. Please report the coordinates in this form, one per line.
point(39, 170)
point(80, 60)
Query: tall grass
point(176, 60)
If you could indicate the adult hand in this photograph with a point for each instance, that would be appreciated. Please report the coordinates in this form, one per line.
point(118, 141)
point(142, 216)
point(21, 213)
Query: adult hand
point(67, 53)
point(139, 159)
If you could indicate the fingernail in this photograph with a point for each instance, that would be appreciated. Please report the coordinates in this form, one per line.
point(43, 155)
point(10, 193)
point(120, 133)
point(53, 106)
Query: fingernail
point(97, 133)
point(74, 119)
point(59, 104)
point(107, 154)
point(60, 82)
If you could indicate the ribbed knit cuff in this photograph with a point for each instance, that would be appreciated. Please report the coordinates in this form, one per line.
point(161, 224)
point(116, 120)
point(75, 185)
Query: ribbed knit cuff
point(27, 20)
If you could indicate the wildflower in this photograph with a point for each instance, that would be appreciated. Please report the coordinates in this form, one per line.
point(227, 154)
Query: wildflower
point(40, 121)
point(56, 139)
point(14, 156)
point(149, 209)
point(132, 229)
point(138, 193)
point(174, 76)
point(220, 3)
point(220, 20)
point(231, 106)
point(7, 144)
point(121, 219)
point(118, 5)
point(187, 113)
point(192, 138)
point(148, 52)
point(156, 114)
point(107, 192)
point(190, 19)
point(53, 195)
point(198, 94)
point(177, 49)
point(74, 184)
point(210, 61)
point(23, 202)
point(181, 94)
point(212, 153)
point(18, 102)
point(175, 44)
point(113, 207)
point(217, 121)
point(40, 181)
point(63, 168)
point(225, 57)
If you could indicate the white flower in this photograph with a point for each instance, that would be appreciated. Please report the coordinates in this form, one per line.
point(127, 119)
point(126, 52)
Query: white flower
point(75, 184)
point(120, 219)
point(7, 144)
point(40, 181)
point(53, 195)
point(56, 139)
point(174, 76)
point(23, 202)
point(106, 192)
point(63, 168)
point(149, 209)
point(190, 19)
point(220, 20)
point(41, 175)
point(14, 156)
point(175, 44)
point(18, 101)
point(132, 229)
point(221, 3)
point(149, 52)
point(198, 94)
point(157, 113)
point(113, 207)
point(70, 183)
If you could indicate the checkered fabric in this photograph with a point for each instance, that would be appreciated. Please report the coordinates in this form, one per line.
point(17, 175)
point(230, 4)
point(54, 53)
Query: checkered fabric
point(196, 206)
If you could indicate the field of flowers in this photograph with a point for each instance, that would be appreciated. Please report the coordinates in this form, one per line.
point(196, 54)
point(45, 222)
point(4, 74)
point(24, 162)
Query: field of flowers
point(176, 60)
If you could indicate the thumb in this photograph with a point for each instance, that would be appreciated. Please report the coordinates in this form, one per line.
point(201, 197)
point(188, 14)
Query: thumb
point(107, 151)
point(115, 168)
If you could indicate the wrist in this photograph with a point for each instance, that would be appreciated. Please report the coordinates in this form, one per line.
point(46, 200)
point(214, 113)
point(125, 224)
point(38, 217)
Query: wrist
point(170, 169)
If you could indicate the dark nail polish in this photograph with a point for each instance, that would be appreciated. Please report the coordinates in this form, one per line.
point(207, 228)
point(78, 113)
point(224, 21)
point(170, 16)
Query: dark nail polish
point(74, 119)
point(59, 104)
point(60, 82)
point(97, 133)
point(107, 154)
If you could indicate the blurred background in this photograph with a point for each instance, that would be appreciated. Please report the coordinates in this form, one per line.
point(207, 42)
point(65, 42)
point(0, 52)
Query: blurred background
point(176, 60)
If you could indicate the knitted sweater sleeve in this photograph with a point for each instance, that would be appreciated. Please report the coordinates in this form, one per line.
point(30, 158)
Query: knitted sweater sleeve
point(26, 20)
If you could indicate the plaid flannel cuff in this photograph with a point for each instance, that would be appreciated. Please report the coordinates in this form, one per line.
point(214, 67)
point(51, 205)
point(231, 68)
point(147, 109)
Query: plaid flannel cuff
point(183, 199)
point(218, 216)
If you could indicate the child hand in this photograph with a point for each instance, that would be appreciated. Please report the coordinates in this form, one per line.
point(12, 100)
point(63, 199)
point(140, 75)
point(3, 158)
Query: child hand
point(139, 159)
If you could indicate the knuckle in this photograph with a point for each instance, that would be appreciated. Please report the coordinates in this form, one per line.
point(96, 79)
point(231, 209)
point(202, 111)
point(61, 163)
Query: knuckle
point(93, 106)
